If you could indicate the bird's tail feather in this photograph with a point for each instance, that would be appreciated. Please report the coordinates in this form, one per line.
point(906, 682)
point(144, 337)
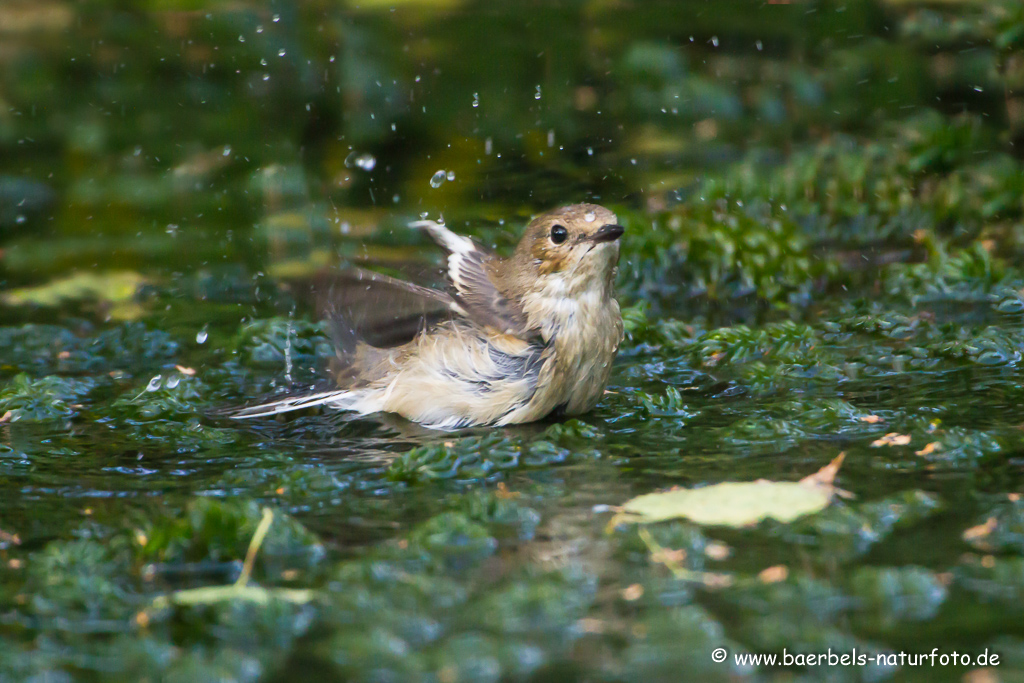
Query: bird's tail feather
point(294, 403)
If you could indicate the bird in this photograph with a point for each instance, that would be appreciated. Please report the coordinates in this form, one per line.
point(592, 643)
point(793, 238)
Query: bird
point(510, 340)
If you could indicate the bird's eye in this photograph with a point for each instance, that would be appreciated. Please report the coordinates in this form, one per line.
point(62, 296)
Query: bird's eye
point(559, 234)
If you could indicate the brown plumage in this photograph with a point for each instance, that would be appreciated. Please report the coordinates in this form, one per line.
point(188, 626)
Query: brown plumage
point(518, 338)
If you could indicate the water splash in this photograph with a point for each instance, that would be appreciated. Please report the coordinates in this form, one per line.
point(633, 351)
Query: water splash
point(437, 180)
point(361, 160)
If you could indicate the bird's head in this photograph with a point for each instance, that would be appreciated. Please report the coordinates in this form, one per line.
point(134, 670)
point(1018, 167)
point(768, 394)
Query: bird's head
point(570, 249)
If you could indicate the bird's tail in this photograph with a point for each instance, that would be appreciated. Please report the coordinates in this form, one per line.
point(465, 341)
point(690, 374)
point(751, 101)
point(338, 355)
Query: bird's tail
point(337, 399)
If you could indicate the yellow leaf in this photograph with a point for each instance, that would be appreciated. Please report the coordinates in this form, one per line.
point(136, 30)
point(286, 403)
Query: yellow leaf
point(736, 504)
point(115, 286)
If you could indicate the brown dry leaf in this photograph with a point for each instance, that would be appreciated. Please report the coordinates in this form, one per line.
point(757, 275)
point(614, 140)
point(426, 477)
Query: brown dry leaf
point(1014, 497)
point(667, 556)
point(504, 494)
point(712, 580)
point(929, 449)
point(871, 419)
point(185, 371)
point(827, 474)
point(6, 417)
point(717, 550)
point(891, 439)
point(633, 592)
point(776, 574)
point(8, 538)
point(986, 675)
point(981, 531)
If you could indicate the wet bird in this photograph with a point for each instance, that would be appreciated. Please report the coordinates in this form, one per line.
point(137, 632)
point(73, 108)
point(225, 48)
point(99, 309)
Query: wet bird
point(520, 337)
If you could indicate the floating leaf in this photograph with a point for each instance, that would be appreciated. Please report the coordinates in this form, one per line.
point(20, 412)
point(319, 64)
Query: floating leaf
point(117, 286)
point(891, 439)
point(736, 504)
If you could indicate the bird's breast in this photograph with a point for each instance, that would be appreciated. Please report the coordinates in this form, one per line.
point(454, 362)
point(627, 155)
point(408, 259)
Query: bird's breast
point(585, 332)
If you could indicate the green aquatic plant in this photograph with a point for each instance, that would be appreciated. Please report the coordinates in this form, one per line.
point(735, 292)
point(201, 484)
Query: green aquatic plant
point(48, 398)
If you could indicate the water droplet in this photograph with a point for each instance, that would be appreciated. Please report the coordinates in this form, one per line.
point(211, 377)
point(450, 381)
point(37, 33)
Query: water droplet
point(241, 39)
point(590, 151)
point(450, 175)
point(138, 151)
point(551, 138)
point(154, 384)
point(476, 99)
point(589, 217)
point(276, 18)
point(488, 146)
point(281, 52)
point(259, 28)
point(536, 95)
point(714, 40)
point(759, 45)
point(437, 180)
point(227, 150)
point(266, 77)
point(363, 160)
point(173, 381)
point(263, 61)
point(20, 218)
point(201, 336)
point(423, 215)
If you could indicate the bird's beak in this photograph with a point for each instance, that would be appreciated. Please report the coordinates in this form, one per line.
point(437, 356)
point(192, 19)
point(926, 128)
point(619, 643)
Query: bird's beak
point(608, 233)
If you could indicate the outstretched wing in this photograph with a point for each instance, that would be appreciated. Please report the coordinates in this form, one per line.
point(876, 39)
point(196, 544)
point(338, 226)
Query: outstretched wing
point(474, 291)
point(365, 306)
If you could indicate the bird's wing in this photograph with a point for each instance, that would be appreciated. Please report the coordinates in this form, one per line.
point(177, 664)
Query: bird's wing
point(363, 305)
point(473, 289)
